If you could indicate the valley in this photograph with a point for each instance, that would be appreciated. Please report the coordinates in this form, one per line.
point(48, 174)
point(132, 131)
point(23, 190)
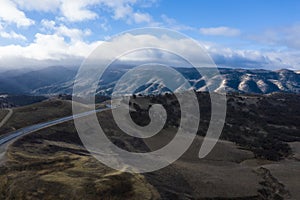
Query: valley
point(149, 100)
point(56, 164)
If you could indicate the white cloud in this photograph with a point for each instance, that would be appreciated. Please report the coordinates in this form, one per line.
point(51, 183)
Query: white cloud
point(142, 17)
point(44, 51)
point(220, 31)
point(105, 25)
point(12, 35)
point(48, 24)
point(77, 10)
point(173, 24)
point(53, 48)
point(222, 56)
point(81, 10)
point(71, 10)
point(58, 42)
point(9, 13)
point(288, 36)
point(61, 30)
point(268, 59)
point(120, 9)
point(44, 5)
point(123, 10)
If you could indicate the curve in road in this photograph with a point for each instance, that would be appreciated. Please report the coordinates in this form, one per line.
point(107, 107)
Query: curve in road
point(29, 129)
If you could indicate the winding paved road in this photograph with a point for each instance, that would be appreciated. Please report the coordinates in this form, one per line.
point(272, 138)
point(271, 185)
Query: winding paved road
point(29, 129)
point(7, 139)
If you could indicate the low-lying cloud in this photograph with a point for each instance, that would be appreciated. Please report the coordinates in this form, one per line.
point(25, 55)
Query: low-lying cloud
point(220, 31)
point(55, 49)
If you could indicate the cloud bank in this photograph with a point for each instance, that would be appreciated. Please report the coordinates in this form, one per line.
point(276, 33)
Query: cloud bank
point(61, 41)
point(49, 49)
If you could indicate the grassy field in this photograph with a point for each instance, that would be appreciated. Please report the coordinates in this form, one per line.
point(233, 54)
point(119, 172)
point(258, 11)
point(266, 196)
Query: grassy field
point(52, 163)
point(3, 113)
point(37, 113)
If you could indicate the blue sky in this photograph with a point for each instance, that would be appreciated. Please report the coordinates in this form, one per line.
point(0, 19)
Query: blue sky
point(243, 34)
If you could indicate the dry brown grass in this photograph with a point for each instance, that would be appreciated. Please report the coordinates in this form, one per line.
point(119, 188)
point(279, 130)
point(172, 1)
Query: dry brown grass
point(37, 113)
point(40, 166)
point(3, 113)
point(52, 163)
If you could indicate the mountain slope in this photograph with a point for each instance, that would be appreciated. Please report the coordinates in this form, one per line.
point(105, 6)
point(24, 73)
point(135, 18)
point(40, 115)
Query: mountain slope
point(27, 82)
point(58, 80)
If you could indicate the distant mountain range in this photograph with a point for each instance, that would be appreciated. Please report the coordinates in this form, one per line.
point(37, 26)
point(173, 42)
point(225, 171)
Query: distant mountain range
point(59, 80)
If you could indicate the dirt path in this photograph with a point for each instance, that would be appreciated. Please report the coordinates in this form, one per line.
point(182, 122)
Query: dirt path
point(6, 118)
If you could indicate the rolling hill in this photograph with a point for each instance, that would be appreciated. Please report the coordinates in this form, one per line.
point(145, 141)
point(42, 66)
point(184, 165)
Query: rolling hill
point(59, 80)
